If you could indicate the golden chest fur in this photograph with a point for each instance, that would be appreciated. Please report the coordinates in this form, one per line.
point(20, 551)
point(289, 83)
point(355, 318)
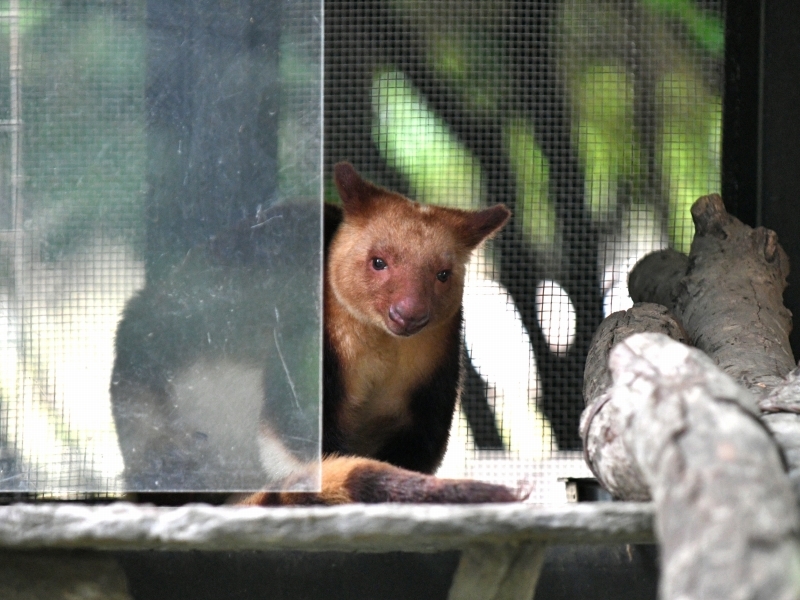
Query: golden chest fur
point(380, 374)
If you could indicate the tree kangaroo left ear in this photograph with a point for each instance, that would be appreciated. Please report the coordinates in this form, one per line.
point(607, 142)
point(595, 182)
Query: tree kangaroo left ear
point(355, 191)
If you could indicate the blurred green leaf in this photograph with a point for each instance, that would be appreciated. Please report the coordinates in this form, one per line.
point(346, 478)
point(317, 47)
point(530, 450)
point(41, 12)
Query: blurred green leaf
point(706, 29)
point(532, 175)
point(606, 140)
point(464, 41)
point(472, 62)
point(689, 148)
point(31, 14)
point(419, 144)
point(84, 141)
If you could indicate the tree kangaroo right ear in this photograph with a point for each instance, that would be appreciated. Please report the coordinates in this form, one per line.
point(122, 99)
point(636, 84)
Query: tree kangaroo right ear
point(482, 224)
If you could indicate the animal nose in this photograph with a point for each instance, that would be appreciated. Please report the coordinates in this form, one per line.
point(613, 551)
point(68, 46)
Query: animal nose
point(409, 316)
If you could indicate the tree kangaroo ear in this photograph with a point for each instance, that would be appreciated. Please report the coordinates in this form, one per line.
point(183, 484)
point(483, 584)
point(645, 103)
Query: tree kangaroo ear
point(356, 192)
point(482, 224)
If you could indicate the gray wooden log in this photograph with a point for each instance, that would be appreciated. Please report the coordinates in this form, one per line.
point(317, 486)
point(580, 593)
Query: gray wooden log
point(605, 451)
point(781, 412)
point(502, 544)
point(726, 515)
point(655, 277)
point(643, 317)
point(690, 435)
point(355, 527)
point(730, 299)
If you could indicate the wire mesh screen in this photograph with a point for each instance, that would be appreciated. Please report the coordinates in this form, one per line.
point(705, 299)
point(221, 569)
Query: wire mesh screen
point(597, 122)
point(159, 171)
point(73, 154)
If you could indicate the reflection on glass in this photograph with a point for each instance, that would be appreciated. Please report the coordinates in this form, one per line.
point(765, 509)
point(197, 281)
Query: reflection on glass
point(159, 245)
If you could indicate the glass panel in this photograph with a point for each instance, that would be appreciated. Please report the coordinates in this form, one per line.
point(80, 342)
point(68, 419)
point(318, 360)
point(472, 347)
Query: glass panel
point(160, 245)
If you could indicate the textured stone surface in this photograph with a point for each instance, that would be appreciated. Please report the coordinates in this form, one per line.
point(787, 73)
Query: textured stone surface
point(375, 528)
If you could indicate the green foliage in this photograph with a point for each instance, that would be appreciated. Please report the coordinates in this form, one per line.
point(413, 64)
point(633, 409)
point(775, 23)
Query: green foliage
point(298, 143)
point(604, 130)
point(84, 138)
point(689, 149)
point(31, 14)
point(471, 60)
point(532, 175)
point(464, 44)
point(419, 144)
point(706, 29)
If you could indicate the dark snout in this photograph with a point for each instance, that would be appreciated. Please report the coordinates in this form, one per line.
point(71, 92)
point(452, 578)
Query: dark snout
point(408, 316)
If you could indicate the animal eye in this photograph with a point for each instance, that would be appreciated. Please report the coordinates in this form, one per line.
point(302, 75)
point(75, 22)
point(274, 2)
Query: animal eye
point(443, 276)
point(378, 264)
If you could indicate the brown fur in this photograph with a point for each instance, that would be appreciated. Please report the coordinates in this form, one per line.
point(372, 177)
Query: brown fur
point(394, 282)
point(382, 366)
point(347, 479)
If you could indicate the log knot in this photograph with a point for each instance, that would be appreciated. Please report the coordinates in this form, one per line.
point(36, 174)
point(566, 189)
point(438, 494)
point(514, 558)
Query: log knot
point(710, 217)
point(770, 245)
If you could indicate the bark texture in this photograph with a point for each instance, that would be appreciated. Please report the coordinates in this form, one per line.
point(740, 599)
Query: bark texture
point(655, 278)
point(346, 528)
point(684, 426)
point(730, 297)
point(690, 438)
point(605, 451)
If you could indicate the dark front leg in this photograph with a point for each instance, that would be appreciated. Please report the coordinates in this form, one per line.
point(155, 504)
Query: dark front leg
point(418, 449)
point(421, 446)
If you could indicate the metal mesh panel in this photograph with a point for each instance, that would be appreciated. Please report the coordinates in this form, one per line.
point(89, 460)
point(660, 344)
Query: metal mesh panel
point(73, 152)
point(597, 122)
point(133, 132)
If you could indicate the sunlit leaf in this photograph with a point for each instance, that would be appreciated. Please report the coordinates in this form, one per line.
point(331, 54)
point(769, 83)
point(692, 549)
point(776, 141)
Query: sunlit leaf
point(29, 14)
point(708, 30)
point(689, 149)
point(532, 175)
point(418, 143)
point(604, 128)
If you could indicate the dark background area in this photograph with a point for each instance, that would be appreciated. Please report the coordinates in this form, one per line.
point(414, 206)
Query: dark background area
point(569, 572)
point(762, 126)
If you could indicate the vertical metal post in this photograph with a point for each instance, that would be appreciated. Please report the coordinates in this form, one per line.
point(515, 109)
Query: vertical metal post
point(13, 125)
point(15, 72)
point(741, 120)
point(13, 240)
point(779, 154)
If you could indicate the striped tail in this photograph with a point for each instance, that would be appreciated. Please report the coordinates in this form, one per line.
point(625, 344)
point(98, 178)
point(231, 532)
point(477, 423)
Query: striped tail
point(348, 479)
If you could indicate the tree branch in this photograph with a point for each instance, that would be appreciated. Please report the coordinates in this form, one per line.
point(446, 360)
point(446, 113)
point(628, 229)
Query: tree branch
point(669, 422)
point(726, 516)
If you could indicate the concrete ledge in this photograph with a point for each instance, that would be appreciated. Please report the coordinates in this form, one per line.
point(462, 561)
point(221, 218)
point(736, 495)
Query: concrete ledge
point(373, 528)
